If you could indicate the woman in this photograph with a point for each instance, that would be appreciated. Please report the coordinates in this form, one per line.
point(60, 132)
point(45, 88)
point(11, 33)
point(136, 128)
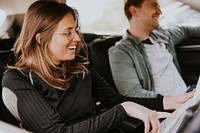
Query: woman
point(52, 86)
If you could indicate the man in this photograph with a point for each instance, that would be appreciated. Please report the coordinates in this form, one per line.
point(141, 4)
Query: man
point(144, 62)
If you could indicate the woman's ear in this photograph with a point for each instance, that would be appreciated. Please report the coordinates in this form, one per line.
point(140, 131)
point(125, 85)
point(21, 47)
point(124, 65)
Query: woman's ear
point(133, 11)
point(38, 38)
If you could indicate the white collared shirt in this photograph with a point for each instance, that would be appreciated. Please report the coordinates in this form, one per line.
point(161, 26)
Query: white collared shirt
point(167, 79)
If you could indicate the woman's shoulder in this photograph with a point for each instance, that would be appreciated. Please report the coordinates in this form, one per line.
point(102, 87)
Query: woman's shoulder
point(14, 73)
point(15, 79)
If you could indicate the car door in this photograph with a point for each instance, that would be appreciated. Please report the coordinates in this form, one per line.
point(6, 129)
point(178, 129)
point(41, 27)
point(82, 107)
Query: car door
point(188, 52)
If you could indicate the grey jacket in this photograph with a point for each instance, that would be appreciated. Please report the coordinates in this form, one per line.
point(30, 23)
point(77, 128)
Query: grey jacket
point(130, 66)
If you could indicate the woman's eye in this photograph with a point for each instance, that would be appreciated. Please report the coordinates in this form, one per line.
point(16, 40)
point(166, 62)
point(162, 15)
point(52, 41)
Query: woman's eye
point(68, 33)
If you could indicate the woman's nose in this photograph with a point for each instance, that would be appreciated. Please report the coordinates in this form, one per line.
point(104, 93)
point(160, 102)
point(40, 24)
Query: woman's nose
point(77, 37)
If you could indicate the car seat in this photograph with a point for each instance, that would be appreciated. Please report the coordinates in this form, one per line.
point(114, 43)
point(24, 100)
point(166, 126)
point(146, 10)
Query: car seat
point(99, 56)
point(5, 115)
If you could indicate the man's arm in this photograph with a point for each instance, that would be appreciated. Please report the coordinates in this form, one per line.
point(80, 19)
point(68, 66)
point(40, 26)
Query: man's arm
point(123, 67)
point(177, 34)
point(193, 3)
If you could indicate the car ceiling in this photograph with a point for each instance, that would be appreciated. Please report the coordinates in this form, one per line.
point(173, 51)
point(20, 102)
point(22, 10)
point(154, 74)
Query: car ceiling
point(20, 6)
point(12, 7)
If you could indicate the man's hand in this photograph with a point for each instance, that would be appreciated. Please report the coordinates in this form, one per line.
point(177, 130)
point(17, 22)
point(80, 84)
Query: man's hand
point(172, 103)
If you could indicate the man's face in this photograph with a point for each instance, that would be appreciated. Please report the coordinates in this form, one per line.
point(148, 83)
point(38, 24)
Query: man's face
point(148, 14)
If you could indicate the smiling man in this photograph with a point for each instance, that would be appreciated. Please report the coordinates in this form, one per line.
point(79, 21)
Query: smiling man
point(144, 62)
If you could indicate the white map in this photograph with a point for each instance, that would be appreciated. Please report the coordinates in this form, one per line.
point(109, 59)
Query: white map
point(171, 125)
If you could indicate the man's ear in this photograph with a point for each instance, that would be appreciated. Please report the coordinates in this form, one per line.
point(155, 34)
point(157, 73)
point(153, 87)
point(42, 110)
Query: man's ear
point(38, 38)
point(133, 11)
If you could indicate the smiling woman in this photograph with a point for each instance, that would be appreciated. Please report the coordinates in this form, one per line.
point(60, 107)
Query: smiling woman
point(55, 81)
point(52, 87)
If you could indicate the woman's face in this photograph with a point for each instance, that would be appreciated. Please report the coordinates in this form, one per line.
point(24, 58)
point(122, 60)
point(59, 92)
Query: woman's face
point(63, 43)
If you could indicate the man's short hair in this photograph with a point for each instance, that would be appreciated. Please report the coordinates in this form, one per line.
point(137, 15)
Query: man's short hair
point(128, 3)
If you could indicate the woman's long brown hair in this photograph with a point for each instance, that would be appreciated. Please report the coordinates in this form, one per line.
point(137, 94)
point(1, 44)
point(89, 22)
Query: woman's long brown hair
point(43, 17)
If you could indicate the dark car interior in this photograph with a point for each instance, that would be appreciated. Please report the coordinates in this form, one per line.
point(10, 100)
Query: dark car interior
point(188, 54)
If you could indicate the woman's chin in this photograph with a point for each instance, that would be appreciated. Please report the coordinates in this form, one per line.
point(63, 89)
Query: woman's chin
point(71, 58)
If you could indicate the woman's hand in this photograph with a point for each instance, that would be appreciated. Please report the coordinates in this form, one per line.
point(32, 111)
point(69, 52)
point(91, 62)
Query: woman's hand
point(172, 103)
point(149, 117)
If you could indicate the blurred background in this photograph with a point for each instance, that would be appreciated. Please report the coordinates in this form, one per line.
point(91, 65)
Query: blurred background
point(102, 16)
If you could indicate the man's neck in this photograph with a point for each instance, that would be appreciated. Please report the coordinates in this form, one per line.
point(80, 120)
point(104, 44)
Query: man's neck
point(139, 32)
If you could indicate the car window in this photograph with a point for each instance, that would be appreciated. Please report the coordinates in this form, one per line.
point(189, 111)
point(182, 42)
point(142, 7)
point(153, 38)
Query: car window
point(107, 16)
point(101, 16)
point(2, 20)
point(179, 14)
point(8, 11)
